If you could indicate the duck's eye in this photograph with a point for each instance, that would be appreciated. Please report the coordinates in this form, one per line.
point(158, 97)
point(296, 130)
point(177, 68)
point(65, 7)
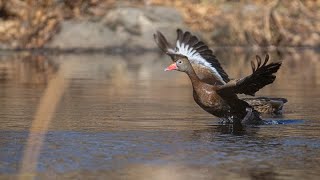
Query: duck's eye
point(179, 62)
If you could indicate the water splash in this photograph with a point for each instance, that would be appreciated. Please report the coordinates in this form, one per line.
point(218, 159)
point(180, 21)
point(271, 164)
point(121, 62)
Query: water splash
point(283, 121)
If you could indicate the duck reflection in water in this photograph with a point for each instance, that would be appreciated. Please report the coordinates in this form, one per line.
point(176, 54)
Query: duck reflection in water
point(217, 132)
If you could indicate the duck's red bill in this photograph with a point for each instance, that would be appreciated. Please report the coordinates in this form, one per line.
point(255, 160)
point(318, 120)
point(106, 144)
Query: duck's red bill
point(171, 67)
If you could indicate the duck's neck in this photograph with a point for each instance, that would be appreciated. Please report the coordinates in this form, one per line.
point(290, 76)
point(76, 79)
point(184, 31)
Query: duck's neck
point(193, 77)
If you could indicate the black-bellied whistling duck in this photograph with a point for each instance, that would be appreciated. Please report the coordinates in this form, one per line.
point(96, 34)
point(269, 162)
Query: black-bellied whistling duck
point(221, 100)
point(208, 68)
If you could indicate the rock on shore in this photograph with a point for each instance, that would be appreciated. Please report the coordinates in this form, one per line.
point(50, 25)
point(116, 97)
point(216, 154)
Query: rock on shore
point(125, 26)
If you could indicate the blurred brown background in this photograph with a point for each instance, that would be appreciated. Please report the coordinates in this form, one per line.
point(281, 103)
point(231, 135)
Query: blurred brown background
point(81, 114)
point(68, 24)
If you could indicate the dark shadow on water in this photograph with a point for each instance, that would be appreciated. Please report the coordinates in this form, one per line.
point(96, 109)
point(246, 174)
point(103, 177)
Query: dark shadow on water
point(227, 129)
point(233, 129)
point(239, 130)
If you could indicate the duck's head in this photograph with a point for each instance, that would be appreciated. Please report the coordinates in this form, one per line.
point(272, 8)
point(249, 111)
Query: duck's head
point(181, 63)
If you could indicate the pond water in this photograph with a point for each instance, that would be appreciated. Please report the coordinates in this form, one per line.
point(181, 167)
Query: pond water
point(120, 116)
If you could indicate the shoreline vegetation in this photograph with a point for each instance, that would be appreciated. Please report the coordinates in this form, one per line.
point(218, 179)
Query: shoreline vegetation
point(110, 25)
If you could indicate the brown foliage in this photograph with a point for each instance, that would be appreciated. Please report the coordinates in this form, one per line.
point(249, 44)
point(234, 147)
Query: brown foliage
point(27, 23)
point(31, 23)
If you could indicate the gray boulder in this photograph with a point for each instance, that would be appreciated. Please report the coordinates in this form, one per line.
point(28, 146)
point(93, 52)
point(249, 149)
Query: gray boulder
point(123, 26)
point(82, 34)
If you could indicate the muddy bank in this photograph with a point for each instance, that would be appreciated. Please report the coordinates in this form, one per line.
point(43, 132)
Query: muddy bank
point(96, 24)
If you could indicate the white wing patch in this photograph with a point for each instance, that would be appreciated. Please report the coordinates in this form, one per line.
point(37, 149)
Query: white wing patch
point(195, 57)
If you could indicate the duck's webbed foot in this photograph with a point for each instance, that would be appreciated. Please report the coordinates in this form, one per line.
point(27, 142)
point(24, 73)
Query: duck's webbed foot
point(252, 117)
point(248, 116)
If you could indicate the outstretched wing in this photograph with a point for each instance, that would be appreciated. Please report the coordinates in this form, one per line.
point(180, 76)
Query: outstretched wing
point(261, 76)
point(195, 50)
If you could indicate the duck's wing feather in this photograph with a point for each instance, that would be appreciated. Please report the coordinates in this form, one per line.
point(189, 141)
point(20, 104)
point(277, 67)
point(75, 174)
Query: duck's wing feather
point(163, 44)
point(262, 75)
point(195, 50)
point(267, 105)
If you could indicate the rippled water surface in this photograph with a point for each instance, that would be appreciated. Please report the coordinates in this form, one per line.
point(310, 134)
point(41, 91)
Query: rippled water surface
point(122, 117)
